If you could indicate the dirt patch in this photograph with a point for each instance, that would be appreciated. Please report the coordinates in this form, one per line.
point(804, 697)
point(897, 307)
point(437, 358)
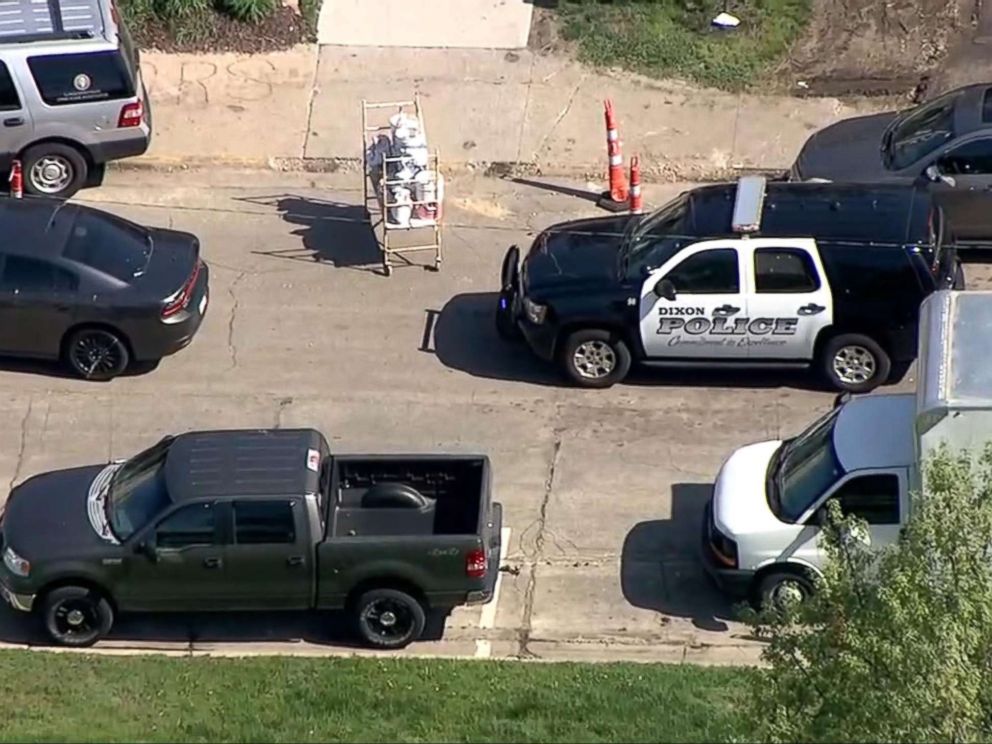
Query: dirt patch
point(545, 37)
point(869, 47)
point(220, 33)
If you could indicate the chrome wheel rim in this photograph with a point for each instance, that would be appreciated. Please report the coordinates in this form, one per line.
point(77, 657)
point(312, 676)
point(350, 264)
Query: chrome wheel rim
point(51, 174)
point(76, 618)
point(594, 360)
point(854, 365)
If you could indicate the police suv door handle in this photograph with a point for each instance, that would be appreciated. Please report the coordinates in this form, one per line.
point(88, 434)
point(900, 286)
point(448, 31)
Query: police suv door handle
point(811, 309)
point(725, 310)
point(14, 121)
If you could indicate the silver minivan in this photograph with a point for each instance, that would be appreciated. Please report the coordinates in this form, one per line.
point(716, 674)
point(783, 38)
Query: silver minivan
point(71, 93)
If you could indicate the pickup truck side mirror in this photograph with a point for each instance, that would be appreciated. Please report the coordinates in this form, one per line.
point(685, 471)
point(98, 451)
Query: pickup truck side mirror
point(147, 549)
point(665, 290)
point(933, 174)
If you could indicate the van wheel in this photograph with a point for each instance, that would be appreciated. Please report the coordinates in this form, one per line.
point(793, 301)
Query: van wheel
point(54, 169)
point(854, 363)
point(783, 589)
point(96, 354)
point(595, 358)
point(389, 618)
point(76, 616)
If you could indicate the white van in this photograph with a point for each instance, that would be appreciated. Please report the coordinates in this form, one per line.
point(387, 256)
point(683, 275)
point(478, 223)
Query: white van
point(761, 532)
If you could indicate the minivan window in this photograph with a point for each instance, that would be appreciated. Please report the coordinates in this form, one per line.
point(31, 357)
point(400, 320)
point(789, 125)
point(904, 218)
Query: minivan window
point(873, 498)
point(9, 100)
point(921, 132)
point(80, 78)
point(108, 245)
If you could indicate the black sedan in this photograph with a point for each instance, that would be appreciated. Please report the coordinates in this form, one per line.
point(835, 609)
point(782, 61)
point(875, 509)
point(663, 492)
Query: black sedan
point(94, 290)
point(947, 142)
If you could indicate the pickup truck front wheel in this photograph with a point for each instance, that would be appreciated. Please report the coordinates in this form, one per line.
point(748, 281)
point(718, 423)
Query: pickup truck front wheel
point(389, 618)
point(76, 616)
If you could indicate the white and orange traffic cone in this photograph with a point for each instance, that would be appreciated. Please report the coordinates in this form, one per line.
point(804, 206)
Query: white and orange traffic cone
point(16, 180)
point(615, 199)
point(636, 200)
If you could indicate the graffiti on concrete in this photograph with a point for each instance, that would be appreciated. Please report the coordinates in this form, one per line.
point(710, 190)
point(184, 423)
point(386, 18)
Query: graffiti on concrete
point(201, 82)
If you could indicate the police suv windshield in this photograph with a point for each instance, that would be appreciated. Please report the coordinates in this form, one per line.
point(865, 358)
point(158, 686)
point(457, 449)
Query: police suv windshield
point(803, 469)
point(642, 236)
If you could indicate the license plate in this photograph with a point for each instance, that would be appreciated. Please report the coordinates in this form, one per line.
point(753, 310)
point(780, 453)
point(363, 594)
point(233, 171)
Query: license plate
point(203, 304)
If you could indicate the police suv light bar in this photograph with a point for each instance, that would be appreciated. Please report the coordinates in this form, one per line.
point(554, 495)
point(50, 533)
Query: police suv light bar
point(748, 204)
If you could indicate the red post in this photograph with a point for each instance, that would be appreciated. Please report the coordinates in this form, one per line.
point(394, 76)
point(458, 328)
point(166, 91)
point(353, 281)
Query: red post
point(636, 200)
point(16, 180)
point(616, 198)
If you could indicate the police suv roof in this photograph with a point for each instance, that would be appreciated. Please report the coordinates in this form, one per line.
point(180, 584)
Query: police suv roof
point(250, 462)
point(828, 211)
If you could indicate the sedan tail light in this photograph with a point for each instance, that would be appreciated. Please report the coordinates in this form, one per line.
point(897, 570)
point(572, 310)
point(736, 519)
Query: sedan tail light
point(180, 300)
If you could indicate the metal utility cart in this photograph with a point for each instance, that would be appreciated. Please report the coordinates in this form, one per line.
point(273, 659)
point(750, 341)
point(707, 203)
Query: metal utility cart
point(383, 172)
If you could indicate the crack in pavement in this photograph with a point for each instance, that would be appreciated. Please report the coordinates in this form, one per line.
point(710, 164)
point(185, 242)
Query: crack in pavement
point(22, 446)
point(530, 591)
point(558, 120)
point(231, 347)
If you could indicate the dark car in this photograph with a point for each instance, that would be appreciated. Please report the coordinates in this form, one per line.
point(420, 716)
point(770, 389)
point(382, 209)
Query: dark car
point(252, 520)
point(95, 290)
point(826, 275)
point(947, 142)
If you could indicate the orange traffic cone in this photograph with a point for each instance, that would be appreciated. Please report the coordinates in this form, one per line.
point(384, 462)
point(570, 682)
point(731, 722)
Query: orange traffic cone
point(16, 180)
point(636, 200)
point(615, 199)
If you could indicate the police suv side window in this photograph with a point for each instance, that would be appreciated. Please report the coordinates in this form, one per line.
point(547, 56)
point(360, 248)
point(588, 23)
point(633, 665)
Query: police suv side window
point(784, 270)
point(707, 272)
point(9, 100)
point(874, 498)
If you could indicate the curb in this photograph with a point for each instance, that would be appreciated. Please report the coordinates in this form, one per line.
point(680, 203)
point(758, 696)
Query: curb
point(666, 172)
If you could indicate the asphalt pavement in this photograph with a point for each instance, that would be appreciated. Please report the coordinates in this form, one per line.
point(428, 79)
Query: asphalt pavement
point(603, 490)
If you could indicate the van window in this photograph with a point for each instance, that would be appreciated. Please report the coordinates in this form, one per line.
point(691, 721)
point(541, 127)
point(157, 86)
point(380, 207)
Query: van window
point(873, 498)
point(107, 245)
point(9, 100)
point(79, 78)
point(784, 270)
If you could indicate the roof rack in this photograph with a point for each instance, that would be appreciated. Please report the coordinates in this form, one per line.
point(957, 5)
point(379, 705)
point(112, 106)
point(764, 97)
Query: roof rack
point(748, 204)
point(23, 21)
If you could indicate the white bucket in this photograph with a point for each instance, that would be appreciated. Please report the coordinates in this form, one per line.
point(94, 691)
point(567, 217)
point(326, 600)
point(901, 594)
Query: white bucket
point(404, 121)
point(400, 214)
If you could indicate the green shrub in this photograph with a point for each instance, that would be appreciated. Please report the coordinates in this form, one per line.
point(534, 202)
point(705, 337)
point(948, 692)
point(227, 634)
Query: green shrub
point(251, 11)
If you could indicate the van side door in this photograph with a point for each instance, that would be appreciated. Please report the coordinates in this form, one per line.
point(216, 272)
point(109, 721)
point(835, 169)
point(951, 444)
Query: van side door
point(789, 299)
point(15, 118)
point(697, 316)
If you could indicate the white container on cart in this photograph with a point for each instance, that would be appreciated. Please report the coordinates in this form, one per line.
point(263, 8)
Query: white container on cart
point(403, 208)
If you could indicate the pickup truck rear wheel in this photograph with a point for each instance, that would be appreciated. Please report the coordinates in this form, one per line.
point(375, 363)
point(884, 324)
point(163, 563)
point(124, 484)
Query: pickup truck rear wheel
point(389, 618)
point(76, 616)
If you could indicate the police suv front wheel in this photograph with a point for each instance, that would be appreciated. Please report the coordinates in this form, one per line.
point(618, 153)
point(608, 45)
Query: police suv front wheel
point(594, 358)
point(854, 363)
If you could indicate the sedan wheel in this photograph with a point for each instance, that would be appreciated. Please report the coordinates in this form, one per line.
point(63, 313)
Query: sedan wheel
point(96, 354)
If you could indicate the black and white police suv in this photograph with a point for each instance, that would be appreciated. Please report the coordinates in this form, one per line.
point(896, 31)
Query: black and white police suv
point(758, 273)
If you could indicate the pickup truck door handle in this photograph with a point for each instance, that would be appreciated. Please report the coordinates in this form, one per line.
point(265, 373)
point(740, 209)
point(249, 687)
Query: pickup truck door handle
point(294, 560)
point(211, 562)
point(13, 121)
point(811, 309)
point(725, 310)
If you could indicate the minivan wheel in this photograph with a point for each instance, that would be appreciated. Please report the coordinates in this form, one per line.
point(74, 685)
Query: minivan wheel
point(96, 354)
point(54, 169)
point(594, 358)
point(76, 616)
point(783, 589)
point(854, 363)
point(389, 618)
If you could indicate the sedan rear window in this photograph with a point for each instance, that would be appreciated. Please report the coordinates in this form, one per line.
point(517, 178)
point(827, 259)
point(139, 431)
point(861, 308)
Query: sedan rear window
point(108, 245)
point(81, 78)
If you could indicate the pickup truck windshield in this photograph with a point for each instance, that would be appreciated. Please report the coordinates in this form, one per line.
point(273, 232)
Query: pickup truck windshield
point(920, 132)
point(804, 468)
point(137, 491)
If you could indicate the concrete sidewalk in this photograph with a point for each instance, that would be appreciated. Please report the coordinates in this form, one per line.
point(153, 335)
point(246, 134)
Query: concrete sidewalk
point(489, 110)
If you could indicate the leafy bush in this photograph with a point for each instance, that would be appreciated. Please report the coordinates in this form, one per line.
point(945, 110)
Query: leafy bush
point(251, 11)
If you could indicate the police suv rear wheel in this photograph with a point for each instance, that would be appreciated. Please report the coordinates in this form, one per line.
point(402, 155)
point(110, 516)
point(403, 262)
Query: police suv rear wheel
point(855, 363)
point(595, 358)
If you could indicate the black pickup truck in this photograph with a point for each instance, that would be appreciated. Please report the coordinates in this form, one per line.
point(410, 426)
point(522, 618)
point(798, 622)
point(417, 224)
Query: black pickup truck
point(252, 520)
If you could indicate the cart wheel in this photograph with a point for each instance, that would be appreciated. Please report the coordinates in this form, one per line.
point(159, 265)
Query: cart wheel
point(387, 269)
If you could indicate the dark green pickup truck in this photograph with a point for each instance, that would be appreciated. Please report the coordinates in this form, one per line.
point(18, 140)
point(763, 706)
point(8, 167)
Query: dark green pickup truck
point(252, 520)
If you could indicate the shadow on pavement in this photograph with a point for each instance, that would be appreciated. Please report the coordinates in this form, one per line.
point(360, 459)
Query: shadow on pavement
point(465, 339)
point(56, 369)
point(332, 232)
point(323, 628)
point(661, 568)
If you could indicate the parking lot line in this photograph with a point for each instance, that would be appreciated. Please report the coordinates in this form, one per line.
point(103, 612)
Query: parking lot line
point(483, 648)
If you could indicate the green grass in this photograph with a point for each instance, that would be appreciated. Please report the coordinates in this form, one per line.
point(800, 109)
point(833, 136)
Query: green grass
point(672, 38)
point(58, 697)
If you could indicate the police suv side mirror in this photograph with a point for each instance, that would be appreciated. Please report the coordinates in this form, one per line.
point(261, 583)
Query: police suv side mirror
point(665, 290)
point(933, 173)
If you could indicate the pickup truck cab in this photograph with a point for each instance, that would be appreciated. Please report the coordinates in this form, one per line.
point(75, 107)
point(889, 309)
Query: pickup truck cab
point(762, 528)
point(252, 520)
